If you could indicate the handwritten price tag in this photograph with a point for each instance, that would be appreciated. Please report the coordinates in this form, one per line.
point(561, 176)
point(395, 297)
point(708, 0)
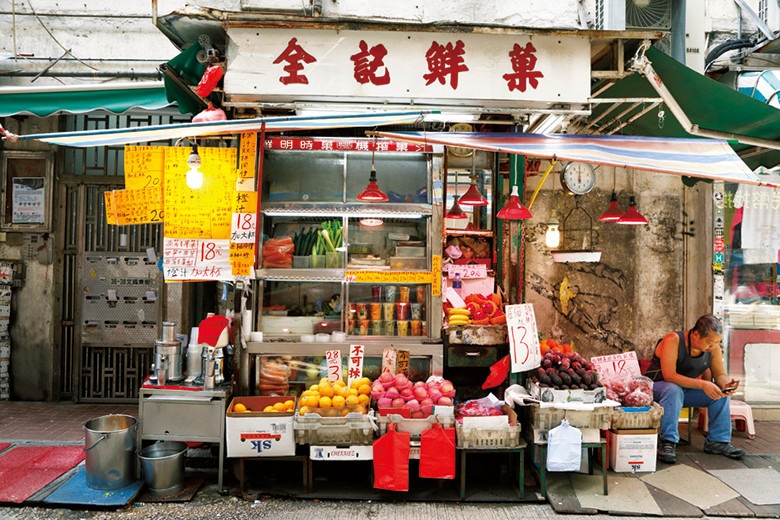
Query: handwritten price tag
point(616, 366)
point(333, 359)
point(524, 348)
point(467, 271)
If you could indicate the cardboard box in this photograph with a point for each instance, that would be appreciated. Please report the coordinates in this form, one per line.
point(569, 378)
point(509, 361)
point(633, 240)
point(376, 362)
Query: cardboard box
point(552, 395)
point(259, 434)
point(632, 451)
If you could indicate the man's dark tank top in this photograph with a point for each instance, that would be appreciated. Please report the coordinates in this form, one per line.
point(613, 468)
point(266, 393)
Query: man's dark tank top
point(686, 365)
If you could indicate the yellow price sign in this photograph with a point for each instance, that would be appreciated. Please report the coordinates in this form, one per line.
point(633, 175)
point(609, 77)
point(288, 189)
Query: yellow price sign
point(401, 277)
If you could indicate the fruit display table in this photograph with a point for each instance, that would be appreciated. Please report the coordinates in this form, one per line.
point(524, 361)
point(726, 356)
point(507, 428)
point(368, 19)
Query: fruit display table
point(519, 450)
point(591, 447)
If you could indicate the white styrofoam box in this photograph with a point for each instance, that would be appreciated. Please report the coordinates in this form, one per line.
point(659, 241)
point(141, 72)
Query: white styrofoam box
point(551, 395)
point(335, 453)
point(259, 434)
point(632, 451)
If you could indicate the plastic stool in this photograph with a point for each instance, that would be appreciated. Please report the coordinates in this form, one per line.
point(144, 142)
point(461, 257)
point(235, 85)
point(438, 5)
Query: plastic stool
point(740, 411)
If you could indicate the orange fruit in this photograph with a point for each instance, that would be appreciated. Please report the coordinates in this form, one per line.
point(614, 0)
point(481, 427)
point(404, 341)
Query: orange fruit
point(303, 410)
point(239, 407)
point(364, 389)
point(338, 401)
point(343, 391)
point(289, 404)
point(325, 402)
point(345, 411)
point(268, 408)
point(352, 400)
point(312, 401)
point(326, 390)
point(353, 391)
point(280, 406)
point(364, 399)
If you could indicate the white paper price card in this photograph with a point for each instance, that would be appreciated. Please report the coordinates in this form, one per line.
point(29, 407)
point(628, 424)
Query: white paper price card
point(616, 366)
point(333, 359)
point(524, 348)
point(355, 363)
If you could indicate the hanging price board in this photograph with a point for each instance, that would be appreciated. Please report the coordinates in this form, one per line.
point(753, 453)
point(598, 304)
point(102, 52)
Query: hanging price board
point(523, 337)
point(333, 359)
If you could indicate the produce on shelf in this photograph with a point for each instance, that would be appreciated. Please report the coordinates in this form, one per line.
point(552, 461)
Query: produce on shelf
point(273, 379)
point(634, 391)
point(304, 241)
point(458, 316)
point(480, 310)
point(397, 391)
point(278, 253)
point(336, 399)
point(477, 408)
point(329, 238)
point(564, 370)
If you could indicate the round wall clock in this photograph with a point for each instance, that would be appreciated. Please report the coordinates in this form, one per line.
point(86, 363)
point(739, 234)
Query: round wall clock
point(578, 178)
point(459, 151)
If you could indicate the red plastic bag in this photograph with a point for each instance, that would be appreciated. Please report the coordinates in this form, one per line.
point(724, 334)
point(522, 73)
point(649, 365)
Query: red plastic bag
point(391, 460)
point(437, 453)
point(499, 371)
point(209, 80)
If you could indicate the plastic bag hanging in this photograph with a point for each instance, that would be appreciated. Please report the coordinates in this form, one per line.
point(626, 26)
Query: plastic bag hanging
point(564, 448)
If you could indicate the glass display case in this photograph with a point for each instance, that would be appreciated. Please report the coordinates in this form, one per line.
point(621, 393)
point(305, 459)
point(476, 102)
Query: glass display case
point(332, 264)
point(336, 272)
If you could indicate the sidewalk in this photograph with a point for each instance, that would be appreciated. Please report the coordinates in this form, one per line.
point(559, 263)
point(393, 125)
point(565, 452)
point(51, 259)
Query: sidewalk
point(40, 423)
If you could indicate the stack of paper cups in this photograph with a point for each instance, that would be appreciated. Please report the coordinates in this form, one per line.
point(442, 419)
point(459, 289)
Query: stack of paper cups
point(193, 355)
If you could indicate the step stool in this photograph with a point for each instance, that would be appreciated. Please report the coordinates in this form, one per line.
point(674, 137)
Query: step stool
point(742, 414)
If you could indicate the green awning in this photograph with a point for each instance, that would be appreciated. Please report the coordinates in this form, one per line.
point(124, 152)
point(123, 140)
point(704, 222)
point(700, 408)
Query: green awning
point(48, 101)
point(709, 105)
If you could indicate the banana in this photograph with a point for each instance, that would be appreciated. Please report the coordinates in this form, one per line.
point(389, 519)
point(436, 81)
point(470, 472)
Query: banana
point(461, 311)
point(459, 321)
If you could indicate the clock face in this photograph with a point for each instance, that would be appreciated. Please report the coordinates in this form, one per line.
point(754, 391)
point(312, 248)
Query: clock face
point(459, 151)
point(578, 178)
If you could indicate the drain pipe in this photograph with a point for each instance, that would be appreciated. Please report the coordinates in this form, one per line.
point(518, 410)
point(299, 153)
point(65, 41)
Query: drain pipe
point(641, 64)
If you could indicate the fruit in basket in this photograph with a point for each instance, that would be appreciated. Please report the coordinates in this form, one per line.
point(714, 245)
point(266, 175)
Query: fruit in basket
point(240, 407)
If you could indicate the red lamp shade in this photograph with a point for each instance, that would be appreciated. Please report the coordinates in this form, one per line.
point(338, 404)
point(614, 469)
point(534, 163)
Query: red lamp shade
point(613, 212)
point(473, 197)
point(632, 217)
point(456, 212)
point(514, 209)
point(372, 193)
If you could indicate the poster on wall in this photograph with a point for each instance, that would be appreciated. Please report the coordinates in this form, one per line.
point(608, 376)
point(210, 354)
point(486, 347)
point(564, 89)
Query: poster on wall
point(29, 200)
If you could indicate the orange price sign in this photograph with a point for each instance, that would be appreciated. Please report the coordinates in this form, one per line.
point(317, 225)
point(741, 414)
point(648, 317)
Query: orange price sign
point(333, 359)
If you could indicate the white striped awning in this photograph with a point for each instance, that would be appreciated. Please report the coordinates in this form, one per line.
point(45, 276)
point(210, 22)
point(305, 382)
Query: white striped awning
point(144, 134)
point(692, 157)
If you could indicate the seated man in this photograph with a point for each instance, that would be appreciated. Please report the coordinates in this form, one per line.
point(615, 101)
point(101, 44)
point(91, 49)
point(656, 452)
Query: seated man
point(678, 361)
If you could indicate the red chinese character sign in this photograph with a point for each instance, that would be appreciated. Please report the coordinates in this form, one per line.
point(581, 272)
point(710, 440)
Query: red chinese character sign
point(355, 363)
point(318, 64)
point(523, 337)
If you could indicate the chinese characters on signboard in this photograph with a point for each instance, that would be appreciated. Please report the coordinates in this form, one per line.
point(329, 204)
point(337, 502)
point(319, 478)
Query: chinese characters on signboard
point(295, 63)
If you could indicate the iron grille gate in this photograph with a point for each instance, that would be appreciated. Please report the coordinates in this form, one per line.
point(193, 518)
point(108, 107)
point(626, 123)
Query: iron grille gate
point(104, 362)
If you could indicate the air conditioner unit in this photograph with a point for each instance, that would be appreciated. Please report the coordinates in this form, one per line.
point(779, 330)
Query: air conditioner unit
point(769, 12)
point(649, 14)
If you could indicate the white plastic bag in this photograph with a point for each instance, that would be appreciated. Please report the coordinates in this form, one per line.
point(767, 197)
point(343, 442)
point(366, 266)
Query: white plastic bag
point(564, 448)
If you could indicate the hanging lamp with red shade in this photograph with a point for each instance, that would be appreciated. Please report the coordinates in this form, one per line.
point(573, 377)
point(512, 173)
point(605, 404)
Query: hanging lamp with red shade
point(473, 197)
point(514, 209)
point(372, 193)
point(632, 217)
point(613, 213)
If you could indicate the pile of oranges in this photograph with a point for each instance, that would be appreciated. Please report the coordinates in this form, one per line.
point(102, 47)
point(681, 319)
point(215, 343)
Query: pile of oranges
point(281, 406)
point(336, 399)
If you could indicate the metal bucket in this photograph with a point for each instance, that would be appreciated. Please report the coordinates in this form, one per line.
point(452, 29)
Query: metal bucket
point(110, 451)
point(162, 465)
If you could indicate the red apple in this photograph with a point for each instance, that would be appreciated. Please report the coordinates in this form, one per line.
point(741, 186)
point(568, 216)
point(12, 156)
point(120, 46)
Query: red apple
point(407, 394)
point(447, 389)
point(392, 393)
point(398, 402)
point(418, 415)
point(401, 380)
point(386, 376)
point(384, 402)
point(444, 401)
point(413, 405)
point(420, 392)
